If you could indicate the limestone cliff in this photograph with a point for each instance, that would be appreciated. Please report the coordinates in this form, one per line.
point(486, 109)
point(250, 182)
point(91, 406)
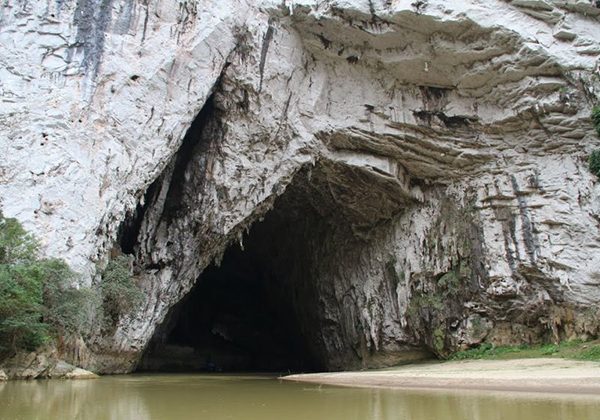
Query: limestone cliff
point(413, 174)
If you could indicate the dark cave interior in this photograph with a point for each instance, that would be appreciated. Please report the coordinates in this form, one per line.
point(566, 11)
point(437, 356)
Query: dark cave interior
point(229, 322)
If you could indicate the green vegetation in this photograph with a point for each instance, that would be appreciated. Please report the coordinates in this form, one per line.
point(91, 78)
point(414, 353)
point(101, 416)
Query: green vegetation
point(450, 282)
point(575, 349)
point(37, 299)
point(69, 310)
point(596, 118)
point(120, 294)
point(439, 339)
point(594, 161)
point(421, 301)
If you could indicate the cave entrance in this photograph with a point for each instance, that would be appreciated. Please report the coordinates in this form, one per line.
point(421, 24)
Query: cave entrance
point(273, 304)
point(230, 322)
point(248, 312)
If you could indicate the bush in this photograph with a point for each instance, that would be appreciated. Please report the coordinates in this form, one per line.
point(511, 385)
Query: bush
point(67, 309)
point(120, 294)
point(37, 300)
point(594, 162)
point(21, 289)
point(596, 118)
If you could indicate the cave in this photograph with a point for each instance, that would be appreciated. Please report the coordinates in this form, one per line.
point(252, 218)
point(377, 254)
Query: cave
point(270, 303)
point(285, 293)
point(230, 321)
point(247, 311)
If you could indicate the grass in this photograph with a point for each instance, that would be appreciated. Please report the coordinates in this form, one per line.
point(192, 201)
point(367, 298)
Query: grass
point(576, 349)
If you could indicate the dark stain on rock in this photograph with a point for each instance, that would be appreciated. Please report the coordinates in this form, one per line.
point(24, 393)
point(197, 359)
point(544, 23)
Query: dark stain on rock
point(243, 42)
point(372, 10)
point(531, 246)
point(326, 43)
point(146, 13)
point(434, 98)
point(419, 6)
point(456, 121)
point(426, 117)
point(125, 16)
point(92, 19)
point(433, 92)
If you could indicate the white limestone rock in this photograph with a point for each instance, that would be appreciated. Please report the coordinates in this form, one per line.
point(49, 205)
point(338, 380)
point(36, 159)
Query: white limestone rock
point(470, 121)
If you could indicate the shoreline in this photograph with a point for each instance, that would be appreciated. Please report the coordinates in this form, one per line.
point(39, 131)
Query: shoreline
point(543, 375)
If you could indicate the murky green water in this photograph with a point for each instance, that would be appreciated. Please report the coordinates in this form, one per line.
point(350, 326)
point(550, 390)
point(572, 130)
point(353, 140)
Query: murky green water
point(216, 397)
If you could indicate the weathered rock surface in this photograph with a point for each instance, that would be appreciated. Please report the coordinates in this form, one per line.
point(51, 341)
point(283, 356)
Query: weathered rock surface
point(79, 373)
point(43, 365)
point(426, 162)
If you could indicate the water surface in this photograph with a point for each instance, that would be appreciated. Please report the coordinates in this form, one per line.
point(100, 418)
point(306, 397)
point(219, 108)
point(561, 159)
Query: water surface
point(255, 397)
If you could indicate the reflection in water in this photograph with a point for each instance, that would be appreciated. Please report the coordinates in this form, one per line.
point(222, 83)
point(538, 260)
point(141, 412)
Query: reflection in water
point(217, 397)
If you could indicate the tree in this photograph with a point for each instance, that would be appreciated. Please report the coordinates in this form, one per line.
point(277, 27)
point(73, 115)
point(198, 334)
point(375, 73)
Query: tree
point(67, 309)
point(21, 289)
point(38, 299)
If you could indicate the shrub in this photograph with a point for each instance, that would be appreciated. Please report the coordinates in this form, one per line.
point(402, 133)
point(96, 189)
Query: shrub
point(120, 294)
point(37, 300)
point(594, 162)
point(68, 310)
point(596, 118)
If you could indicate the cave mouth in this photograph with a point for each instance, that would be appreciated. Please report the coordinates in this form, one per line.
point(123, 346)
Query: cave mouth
point(248, 313)
point(272, 303)
point(229, 322)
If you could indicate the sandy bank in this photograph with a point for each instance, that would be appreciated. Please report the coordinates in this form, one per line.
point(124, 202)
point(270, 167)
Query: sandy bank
point(529, 375)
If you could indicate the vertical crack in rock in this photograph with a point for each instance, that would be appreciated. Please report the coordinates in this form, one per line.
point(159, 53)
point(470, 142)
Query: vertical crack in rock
point(264, 51)
point(146, 16)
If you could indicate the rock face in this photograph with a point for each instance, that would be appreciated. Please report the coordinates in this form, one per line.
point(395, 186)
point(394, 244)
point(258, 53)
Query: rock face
point(45, 365)
point(409, 177)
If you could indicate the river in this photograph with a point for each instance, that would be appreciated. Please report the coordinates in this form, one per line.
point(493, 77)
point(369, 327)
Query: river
point(256, 397)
